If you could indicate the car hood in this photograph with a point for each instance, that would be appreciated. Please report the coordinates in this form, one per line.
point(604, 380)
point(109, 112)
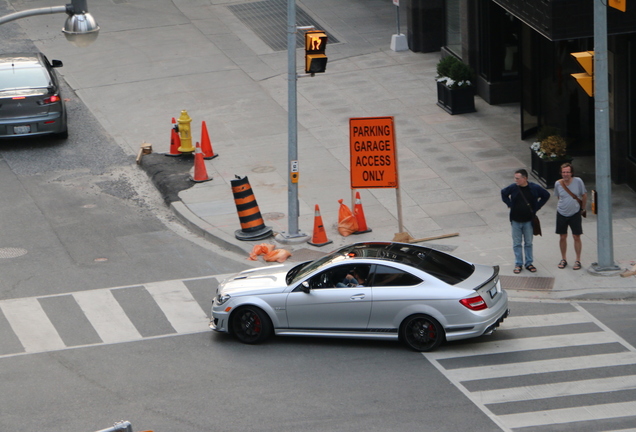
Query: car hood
point(262, 280)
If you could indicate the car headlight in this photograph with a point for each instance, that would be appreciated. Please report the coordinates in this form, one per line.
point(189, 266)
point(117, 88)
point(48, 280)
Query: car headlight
point(221, 299)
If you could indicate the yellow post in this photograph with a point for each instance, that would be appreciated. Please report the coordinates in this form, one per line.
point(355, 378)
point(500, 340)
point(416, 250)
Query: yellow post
point(184, 133)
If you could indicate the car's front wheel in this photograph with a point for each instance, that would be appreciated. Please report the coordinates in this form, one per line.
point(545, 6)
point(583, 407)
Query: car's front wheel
point(421, 332)
point(251, 325)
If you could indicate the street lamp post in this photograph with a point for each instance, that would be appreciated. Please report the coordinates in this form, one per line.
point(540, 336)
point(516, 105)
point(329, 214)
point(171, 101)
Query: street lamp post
point(80, 27)
point(294, 235)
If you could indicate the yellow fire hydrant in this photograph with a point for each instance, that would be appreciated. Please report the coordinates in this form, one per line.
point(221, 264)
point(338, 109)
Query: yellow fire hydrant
point(184, 133)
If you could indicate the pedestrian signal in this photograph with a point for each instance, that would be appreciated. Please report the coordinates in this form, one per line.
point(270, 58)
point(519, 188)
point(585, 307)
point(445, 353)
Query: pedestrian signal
point(315, 58)
point(585, 79)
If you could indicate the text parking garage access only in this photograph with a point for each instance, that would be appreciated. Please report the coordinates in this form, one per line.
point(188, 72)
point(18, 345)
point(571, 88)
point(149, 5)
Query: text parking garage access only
point(373, 157)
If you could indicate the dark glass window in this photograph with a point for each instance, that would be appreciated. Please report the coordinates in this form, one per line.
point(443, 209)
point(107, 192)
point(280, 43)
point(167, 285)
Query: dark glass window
point(453, 27)
point(389, 276)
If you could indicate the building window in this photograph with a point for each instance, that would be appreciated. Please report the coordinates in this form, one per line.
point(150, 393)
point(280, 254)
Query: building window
point(453, 28)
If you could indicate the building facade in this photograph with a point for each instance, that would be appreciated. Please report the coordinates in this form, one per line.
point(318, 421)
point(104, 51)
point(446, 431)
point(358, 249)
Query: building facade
point(521, 52)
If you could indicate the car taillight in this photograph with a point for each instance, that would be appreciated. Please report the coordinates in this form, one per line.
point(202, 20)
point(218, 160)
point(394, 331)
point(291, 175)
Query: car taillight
point(474, 303)
point(50, 100)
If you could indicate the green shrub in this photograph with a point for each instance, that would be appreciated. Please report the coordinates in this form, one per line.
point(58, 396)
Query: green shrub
point(454, 73)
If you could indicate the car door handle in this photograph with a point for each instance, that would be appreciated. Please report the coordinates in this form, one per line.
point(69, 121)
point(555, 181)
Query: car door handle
point(357, 297)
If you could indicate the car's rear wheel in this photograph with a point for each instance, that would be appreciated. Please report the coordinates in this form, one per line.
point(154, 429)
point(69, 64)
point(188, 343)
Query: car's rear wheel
point(251, 325)
point(422, 333)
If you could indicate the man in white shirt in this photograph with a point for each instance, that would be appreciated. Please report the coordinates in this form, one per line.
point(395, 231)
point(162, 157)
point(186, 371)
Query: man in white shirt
point(570, 210)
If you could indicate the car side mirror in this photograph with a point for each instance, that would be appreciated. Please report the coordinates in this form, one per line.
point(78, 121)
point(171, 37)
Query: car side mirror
point(57, 63)
point(305, 287)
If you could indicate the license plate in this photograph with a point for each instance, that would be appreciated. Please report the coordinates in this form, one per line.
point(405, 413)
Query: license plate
point(18, 130)
point(493, 292)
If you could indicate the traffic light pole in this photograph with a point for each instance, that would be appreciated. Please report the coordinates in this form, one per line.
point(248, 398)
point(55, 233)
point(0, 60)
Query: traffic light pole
point(605, 240)
point(293, 235)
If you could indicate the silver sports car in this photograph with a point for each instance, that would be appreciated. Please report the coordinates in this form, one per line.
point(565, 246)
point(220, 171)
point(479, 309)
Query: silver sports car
point(406, 292)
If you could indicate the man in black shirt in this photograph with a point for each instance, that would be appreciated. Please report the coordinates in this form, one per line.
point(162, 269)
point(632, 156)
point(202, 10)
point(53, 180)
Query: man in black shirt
point(524, 199)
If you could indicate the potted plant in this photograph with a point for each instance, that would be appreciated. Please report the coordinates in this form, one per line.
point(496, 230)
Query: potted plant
point(548, 153)
point(455, 93)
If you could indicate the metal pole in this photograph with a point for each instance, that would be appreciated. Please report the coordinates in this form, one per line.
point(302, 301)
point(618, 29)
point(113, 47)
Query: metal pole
point(32, 12)
point(605, 240)
point(292, 140)
point(293, 235)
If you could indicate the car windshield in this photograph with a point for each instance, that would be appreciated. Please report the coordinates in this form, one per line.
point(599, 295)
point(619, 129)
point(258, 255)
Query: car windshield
point(19, 78)
point(302, 270)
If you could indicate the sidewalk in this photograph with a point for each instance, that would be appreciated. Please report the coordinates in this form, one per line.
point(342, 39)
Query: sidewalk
point(154, 58)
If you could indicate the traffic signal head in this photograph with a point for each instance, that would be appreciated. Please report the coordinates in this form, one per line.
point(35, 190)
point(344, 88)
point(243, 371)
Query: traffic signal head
point(586, 79)
point(621, 5)
point(315, 58)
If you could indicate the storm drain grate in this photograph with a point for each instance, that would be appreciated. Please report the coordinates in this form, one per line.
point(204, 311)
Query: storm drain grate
point(527, 283)
point(268, 19)
point(12, 252)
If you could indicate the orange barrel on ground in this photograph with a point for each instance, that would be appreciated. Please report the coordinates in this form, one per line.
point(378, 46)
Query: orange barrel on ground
point(252, 225)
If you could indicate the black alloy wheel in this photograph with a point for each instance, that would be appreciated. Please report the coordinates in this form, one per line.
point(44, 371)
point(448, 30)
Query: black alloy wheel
point(251, 325)
point(422, 333)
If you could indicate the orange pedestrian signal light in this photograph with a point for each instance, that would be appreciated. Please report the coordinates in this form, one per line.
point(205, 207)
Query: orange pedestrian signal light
point(586, 79)
point(315, 58)
point(621, 5)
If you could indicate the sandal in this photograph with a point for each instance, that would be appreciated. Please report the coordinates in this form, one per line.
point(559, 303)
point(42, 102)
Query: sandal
point(517, 270)
point(563, 264)
point(577, 265)
point(531, 268)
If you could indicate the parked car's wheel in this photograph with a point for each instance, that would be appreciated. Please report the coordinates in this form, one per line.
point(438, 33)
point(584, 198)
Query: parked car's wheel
point(251, 325)
point(422, 333)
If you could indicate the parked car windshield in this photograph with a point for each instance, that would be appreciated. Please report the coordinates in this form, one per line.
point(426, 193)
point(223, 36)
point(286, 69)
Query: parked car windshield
point(16, 78)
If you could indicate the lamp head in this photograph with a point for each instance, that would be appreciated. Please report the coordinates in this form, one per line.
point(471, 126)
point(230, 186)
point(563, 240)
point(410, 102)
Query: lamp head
point(80, 27)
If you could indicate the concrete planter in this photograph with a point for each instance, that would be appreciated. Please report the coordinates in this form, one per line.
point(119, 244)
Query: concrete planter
point(456, 101)
point(547, 171)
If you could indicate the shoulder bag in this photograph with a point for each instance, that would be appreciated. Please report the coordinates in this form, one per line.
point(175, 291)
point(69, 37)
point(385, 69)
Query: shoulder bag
point(565, 188)
point(536, 224)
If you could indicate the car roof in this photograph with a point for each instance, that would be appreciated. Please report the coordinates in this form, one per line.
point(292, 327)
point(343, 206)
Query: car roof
point(26, 59)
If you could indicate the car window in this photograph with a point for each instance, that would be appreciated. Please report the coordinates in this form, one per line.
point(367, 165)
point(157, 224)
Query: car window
point(341, 276)
point(389, 276)
point(24, 78)
point(443, 266)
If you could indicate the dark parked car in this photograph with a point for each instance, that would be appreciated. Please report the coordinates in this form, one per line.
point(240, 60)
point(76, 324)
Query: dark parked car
point(30, 99)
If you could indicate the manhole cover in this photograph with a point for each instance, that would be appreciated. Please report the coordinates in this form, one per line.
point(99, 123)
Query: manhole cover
point(273, 216)
point(11, 252)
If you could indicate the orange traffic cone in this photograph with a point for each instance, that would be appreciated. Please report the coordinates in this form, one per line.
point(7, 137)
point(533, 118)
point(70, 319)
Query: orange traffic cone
point(320, 236)
point(175, 140)
point(206, 145)
point(359, 213)
point(200, 173)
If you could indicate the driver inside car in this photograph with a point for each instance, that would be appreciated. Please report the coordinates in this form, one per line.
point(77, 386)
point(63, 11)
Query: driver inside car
point(355, 278)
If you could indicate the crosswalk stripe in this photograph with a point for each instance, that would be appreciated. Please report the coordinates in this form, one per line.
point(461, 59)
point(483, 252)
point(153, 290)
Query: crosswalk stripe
point(107, 316)
point(523, 344)
point(564, 318)
point(543, 366)
point(569, 415)
point(31, 325)
point(179, 306)
point(556, 389)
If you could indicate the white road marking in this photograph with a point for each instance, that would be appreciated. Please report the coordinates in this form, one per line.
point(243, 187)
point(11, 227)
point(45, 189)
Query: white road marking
point(177, 303)
point(107, 316)
point(31, 325)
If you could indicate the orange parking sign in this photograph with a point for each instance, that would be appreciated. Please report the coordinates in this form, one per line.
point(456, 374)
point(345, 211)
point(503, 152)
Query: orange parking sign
point(373, 155)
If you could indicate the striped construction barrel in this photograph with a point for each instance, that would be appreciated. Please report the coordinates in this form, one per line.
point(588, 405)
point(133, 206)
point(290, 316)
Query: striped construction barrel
point(252, 225)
